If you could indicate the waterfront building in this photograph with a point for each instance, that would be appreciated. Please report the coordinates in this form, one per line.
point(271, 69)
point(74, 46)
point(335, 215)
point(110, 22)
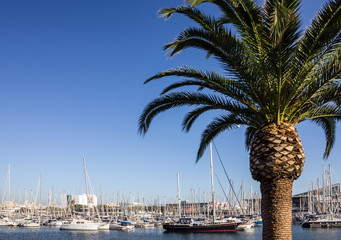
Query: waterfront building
point(83, 199)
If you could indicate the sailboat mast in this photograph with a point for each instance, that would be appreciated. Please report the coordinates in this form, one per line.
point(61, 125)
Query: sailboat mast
point(324, 191)
point(212, 184)
point(9, 182)
point(179, 198)
point(86, 182)
point(331, 190)
point(41, 196)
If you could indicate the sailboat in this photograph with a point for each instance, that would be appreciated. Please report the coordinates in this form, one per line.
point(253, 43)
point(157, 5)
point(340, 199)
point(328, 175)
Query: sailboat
point(189, 225)
point(8, 205)
point(81, 224)
point(30, 223)
point(329, 205)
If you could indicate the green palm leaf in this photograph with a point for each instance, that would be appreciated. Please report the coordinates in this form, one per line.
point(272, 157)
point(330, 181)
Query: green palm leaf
point(217, 126)
point(275, 72)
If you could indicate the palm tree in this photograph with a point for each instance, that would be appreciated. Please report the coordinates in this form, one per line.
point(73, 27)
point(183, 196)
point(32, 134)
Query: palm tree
point(274, 76)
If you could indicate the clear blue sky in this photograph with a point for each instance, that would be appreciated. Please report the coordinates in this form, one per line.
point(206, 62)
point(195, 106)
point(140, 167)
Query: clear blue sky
point(72, 76)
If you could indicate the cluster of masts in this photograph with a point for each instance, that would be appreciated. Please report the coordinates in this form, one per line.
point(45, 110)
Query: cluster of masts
point(102, 217)
point(321, 205)
point(322, 199)
point(232, 203)
point(74, 216)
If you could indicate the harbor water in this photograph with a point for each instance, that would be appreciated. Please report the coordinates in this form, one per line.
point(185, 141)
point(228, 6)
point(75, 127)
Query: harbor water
point(50, 233)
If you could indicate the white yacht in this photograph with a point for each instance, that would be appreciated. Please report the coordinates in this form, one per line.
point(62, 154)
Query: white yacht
point(245, 225)
point(119, 226)
point(30, 223)
point(54, 223)
point(80, 225)
point(7, 222)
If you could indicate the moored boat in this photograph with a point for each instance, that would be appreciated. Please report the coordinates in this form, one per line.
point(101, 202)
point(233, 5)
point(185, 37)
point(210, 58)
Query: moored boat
point(7, 222)
point(245, 225)
point(324, 223)
point(54, 223)
point(80, 225)
point(144, 225)
point(321, 221)
point(258, 222)
point(119, 226)
point(189, 225)
point(104, 226)
point(30, 223)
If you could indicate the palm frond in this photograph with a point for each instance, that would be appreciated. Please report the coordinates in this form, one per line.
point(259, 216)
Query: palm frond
point(325, 27)
point(179, 99)
point(193, 115)
point(321, 88)
point(217, 126)
point(231, 16)
point(273, 73)
point(209, 80)
point(225, 47)
point(249, 134)
point(206, 22)
point(328, 125)
point(321, 111)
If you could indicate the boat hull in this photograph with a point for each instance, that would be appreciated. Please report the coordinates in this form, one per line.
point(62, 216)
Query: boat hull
point(79, 227)
point(31, 225)
point(321, 224)
point(120, 227)
point(210, 228)
point(245, 226)
point(104, 226)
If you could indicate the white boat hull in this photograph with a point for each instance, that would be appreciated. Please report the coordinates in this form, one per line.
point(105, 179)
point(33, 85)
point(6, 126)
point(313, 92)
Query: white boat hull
point(120, 227)
point(80, 225)
point(31, 225)
point(4, 223)
point(103, 226)
point(244, 226)
point(55, 224)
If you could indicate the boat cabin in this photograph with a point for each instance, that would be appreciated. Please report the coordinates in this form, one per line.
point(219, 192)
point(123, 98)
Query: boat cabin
point(185, 220)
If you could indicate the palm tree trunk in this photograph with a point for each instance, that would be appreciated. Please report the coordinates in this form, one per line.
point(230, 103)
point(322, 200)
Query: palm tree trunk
point(277, 209)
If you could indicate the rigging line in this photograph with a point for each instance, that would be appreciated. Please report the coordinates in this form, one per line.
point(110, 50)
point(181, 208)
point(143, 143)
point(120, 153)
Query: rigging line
point(337, 180)
point(227, 199)
point(221, 162)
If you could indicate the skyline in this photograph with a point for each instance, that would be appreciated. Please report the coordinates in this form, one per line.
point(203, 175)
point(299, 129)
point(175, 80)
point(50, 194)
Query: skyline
point(72, 76)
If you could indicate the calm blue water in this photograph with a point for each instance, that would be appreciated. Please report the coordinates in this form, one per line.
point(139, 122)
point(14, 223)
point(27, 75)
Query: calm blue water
point(49, 233)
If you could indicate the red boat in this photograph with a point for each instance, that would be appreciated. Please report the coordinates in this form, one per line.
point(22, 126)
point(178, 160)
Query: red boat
point(188, 225)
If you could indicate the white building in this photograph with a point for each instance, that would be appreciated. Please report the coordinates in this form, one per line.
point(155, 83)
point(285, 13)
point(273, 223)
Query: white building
point(90, 201)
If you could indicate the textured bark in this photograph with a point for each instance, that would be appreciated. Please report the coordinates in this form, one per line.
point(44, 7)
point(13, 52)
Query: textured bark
point(277, 209)
point(276, 153)
point(276, 160)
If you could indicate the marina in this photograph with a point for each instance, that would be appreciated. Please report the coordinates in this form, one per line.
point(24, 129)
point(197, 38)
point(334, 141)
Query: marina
point(235, 216)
